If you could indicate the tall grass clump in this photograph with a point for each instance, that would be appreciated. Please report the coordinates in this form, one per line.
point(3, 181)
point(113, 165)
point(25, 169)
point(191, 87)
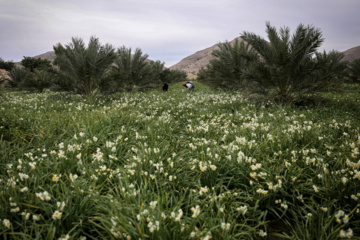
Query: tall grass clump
point(178, 165)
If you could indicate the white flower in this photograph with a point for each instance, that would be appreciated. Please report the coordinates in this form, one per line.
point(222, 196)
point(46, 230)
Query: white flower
point(32, 164)
point(196, 211)
point(26, 215)
point(179, 216)
point(325, 209)
point(262, 233)
point(44, 196)
point(242, 209)
point(6, 223)
point(284, 205)
point(342, 233)
point(14, 210)
point(349, 233)
point(36, 217)
point(60, 205)
point(340, 214)
point(56, 177)
point(23, 176)
point(153, 204)
point(225, 226)
point(57, 215)
point(66, 237)
point(344, 180)
point(73, 177)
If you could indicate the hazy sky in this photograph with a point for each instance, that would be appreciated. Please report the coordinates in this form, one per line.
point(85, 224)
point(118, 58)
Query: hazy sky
point(167, 30)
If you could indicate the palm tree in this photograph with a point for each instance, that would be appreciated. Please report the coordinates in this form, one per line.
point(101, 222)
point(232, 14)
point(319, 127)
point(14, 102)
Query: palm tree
point(155, 69)
point(83, 69)
point(131, 68)
point(17, 76)
point(230, 61)
point(329, 73)
point(289, 65)
point(354, 70)
point(225, 70)
point(39, 79)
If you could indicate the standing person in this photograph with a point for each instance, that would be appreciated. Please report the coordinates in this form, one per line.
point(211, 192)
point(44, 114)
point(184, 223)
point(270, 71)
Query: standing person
point(165, 87)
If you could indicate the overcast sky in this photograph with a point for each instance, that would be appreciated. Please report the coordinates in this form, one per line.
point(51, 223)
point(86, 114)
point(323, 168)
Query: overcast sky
point(167, 30)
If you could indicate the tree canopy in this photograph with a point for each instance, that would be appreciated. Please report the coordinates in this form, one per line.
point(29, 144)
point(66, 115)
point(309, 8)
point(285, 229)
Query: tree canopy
point(35, 63)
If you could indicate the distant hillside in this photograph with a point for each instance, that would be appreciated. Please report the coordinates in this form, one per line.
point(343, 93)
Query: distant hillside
point(193, 63)
point(352, 54)
point(48, 56)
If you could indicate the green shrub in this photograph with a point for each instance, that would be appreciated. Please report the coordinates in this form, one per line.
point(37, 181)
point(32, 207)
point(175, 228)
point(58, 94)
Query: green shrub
point(7, 65)
point(35, 63)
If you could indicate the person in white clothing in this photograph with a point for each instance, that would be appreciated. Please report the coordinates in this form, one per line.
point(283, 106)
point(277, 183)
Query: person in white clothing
point(189, 85)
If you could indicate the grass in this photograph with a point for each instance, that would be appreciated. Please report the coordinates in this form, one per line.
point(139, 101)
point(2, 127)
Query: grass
point(178, 165)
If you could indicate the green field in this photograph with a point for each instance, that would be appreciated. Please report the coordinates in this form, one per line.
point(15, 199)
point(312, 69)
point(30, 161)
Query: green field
point(199, 164)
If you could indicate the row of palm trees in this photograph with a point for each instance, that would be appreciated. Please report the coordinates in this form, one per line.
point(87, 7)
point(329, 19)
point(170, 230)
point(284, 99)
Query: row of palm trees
point(285, 68)
point(95, 68)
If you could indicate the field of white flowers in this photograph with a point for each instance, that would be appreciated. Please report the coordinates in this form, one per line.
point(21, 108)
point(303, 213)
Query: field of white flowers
point(178, 165)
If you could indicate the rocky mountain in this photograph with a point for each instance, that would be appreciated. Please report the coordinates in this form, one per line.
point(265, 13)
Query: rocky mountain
point(193, 63)
point(352, 54)
point(48, 56)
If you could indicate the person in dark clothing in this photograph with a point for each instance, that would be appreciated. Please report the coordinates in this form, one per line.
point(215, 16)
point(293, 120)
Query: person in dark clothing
point(165, 87)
